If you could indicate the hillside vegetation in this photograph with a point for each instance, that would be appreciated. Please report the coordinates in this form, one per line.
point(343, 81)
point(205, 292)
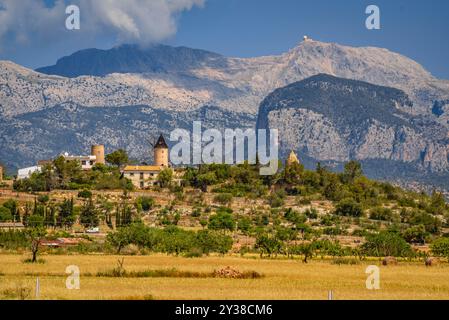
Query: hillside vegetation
point(222, 209)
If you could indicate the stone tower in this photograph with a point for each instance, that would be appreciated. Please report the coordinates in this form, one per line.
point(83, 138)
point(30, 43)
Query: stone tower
point(98, 151)
point(161, 153)
point(292, 158)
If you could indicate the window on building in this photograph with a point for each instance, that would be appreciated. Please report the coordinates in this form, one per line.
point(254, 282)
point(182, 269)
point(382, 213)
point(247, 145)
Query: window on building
point(142, 184)
point(83, 162)
point(141, 175)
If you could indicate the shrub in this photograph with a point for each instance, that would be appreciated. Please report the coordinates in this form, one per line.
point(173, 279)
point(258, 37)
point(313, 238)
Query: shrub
point(5, 214)
point(244, 225)
point(43, 198)
point(222, 220)
point(379, 213)
point(223, 198)
point(145, 203)
point(294, 216)
point(311, 213)
point(440, 247)
point(196, 213)
point(276, 200)
point(86, 194)
point(349, 207)
point(333, 231)
point(415, 234)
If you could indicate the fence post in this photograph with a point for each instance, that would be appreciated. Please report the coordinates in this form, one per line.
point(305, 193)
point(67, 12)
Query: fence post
point(37, 288)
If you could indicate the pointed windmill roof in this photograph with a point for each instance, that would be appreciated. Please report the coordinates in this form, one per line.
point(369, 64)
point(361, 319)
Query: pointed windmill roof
point(161, 143)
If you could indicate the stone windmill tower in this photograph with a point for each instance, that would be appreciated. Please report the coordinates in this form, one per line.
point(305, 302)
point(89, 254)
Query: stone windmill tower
point(161, 152)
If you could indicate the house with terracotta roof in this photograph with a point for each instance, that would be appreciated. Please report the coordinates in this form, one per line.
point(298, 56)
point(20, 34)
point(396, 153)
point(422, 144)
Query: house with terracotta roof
point(142, 176)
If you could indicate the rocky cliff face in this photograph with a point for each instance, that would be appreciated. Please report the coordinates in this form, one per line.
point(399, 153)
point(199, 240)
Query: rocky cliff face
point(334, 120)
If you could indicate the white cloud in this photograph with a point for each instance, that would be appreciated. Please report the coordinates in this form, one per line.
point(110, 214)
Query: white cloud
point(138, 21)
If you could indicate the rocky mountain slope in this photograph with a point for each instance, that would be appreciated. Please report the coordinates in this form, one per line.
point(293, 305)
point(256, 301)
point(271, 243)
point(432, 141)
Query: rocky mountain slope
point(334, 120)
point(69, 127)
point(186, 79)
point(177, 84)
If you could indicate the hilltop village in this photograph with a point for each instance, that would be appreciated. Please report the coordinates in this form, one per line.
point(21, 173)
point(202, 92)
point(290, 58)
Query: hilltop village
point(142, 176)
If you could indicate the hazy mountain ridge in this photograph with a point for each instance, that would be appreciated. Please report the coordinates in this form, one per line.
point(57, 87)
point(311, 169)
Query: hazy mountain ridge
point(132, 59)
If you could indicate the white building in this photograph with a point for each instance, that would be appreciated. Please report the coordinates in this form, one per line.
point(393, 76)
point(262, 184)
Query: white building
point(86, 162)
point(25, 173)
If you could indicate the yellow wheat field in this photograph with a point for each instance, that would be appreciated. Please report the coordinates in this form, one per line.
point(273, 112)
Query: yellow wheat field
point(283, 279)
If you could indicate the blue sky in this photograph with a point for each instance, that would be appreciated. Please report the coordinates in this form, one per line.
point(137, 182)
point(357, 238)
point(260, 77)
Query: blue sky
point(416, 28)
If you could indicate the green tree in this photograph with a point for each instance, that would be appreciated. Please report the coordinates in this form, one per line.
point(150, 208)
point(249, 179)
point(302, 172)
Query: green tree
point(35, 236)
point(64, 170)
point(208, 241)
point(306, 249)
point(332, 187)
point(117, 158)
point(119, 239)
point(89, 215)
point(206, 179)
point(415, 234)
point(268, 244)
point(349, 207)
point(244, 225)
point(13, 207)
point(222, 220)
point(386, 244)
point(352, 170)
point(165, 177)
point(5, 214)
point(66, 214)
point(145, 203)
point(437, 204)
point(292, 173)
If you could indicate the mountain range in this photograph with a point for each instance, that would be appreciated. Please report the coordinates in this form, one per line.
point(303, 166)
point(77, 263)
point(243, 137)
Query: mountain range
point(331, 103)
